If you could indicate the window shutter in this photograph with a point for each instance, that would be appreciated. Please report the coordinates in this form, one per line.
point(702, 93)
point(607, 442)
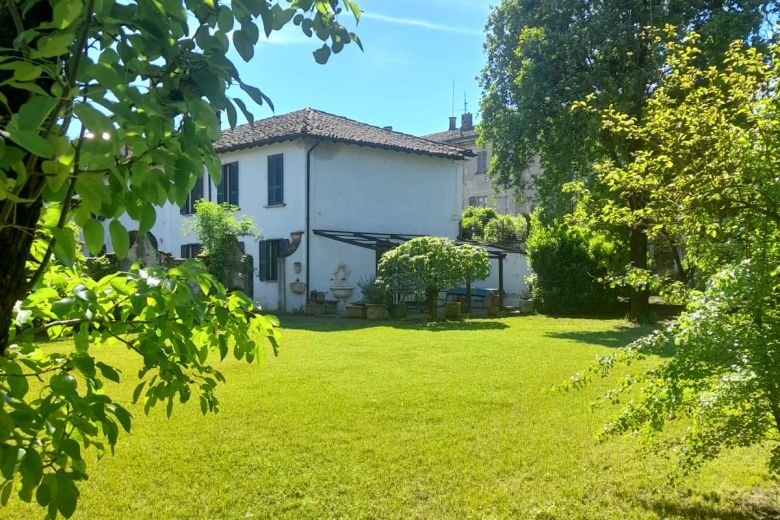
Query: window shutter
point(262, 260)
point(221, 193)
point(183, 251)
point(233, 184)
point(275, 179)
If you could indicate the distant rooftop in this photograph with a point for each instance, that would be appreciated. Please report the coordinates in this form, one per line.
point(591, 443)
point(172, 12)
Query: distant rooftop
point(315, 124)
point(466, 132)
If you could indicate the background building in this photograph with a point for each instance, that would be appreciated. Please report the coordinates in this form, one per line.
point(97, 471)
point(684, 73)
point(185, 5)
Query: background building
point(478, 190)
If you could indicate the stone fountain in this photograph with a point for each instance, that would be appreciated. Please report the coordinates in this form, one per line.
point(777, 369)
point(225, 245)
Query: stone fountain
point(341, 289)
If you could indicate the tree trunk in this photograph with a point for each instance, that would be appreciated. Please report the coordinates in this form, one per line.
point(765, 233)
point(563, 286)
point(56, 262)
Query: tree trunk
point(640, 304)
point(15, 243)
point(431, 297)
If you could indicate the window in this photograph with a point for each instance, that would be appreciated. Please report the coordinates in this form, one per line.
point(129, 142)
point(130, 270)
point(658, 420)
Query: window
point(227, 190)
point(190, 250)
point(269, 258)
point(275, 180)
point(192, 197)
point(482, 161)
point(478, 202)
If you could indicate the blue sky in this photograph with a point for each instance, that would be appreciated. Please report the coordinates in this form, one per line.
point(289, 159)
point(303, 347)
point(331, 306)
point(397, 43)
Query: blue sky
point(413, 51)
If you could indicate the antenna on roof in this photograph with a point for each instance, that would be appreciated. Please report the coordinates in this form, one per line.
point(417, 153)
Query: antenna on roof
point(465, 104)
point(453, 97)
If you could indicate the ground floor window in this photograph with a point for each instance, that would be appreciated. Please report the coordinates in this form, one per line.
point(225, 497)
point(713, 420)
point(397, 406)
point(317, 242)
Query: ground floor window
point(190, 250)
point(270, 251)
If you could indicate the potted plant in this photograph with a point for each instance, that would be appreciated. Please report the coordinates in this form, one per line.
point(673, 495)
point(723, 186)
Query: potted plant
point(316, 303)
point(398, 309)
point(452, 310)
point(375, 297)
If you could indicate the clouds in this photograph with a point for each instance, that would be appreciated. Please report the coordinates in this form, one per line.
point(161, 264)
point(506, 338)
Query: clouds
point(424, 24)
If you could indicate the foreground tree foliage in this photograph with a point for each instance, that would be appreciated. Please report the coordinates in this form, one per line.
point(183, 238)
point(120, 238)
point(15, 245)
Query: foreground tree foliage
point(106, 109)
point(546, 55)
point(429, 265)
point(707, 162)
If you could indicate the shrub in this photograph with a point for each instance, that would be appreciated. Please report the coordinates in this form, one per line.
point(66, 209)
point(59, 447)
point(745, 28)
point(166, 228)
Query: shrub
point(570, 269)
point(217, 226)
point(373, 292)
point(505, 229)
point(474, 220)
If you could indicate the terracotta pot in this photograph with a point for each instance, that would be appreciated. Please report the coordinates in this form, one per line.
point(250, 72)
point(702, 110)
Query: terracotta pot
point(375, 311)
point(398, 310)
point(315, 309)
point(355, 311)
point(452, 310)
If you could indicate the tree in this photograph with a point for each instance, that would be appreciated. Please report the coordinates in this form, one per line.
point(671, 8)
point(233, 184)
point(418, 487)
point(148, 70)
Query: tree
point(430, 264)
point(109, 108)
point(544, 56)
point(708, 153)
point(505, 229)
point(571, 268)
point(474, 220)
point(217, 226)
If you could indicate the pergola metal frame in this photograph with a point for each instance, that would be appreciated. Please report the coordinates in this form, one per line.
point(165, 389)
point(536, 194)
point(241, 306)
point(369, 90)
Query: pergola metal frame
point(381, 242)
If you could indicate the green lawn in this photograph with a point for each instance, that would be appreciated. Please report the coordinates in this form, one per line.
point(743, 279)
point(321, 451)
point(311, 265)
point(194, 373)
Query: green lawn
point(358, 420)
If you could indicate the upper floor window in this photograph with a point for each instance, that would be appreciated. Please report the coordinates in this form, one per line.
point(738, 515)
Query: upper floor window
point(192, 197)
point(227, 190)
point(482, 161)
point(275, 179)
point(478, 202)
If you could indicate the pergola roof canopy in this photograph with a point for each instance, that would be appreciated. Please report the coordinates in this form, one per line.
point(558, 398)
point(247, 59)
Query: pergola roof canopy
point(387, 241)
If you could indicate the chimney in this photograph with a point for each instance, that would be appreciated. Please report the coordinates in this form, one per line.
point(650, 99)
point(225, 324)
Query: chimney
point(466, 122)
point(387, 128)
point(453, 123)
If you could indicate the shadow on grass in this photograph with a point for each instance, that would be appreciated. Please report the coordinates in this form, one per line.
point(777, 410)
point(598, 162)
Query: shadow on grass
point(615, 338)
point(343, 324)
point(731, 510)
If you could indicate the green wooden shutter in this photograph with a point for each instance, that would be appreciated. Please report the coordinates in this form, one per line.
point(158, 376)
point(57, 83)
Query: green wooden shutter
point(262, 260)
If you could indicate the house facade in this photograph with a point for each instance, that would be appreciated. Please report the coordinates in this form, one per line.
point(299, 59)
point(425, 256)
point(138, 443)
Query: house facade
point(307, 174)
point(478, 190)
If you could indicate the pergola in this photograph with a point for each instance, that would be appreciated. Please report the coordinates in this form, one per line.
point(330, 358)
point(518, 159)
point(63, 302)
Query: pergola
point(383, 242)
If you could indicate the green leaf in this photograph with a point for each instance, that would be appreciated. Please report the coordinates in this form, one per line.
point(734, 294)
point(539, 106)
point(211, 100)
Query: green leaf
point(243, 45)
point(120, 240)
point(94, 235)
point(9, 455)
point(93, 190)
point(108, 372)
point(81, 339)
point(66, 12)
point(31, 468)
point(147, 220)
point(31, 142)
point(67, 495)
point(95, 120)
point(53, 45)
point(124, 417)
point(5, 494)
point(65, 245)
point(256, 94)
point(322, 54)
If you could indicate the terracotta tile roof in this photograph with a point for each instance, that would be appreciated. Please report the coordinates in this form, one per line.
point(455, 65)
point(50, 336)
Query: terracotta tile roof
point(453, 136)
point(314, 124)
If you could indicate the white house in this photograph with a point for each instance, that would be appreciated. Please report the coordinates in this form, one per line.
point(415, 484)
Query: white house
point(324, 189)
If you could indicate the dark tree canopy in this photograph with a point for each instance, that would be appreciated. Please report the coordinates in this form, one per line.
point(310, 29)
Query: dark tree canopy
point(544, 55)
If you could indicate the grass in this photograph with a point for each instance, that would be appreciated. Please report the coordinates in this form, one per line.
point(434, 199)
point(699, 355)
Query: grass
point(399, 420)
